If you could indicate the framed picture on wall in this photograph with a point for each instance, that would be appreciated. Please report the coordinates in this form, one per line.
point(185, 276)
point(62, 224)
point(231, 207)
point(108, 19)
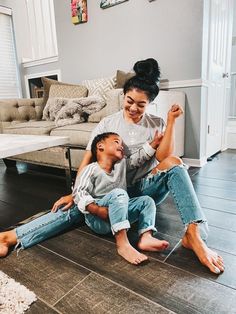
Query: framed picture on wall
point(79, 11)
point(109, 3)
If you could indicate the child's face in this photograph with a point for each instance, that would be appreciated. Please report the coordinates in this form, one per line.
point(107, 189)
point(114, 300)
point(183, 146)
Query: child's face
point(113, 147)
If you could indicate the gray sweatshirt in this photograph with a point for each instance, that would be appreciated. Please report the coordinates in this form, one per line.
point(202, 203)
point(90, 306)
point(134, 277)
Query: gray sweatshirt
point(94, 183)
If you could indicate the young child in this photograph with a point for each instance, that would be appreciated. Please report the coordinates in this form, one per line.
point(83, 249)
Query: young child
point(100, 193)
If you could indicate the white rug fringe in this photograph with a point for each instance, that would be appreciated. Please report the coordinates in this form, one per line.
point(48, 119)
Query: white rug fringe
point(14, 297)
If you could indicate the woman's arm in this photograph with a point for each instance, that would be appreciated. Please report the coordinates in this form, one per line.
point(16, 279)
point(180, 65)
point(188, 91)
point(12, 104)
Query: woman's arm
point(166, 146)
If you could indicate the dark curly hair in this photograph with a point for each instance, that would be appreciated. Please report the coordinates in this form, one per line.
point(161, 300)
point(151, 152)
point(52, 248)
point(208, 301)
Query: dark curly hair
point(98, 138)
point(147, 75)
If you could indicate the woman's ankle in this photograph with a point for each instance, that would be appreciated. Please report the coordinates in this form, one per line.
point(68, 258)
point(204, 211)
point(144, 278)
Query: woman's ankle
point(8, 238)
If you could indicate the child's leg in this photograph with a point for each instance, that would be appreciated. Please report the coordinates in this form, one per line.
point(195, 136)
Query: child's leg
point(117, 203)
point(143, 210)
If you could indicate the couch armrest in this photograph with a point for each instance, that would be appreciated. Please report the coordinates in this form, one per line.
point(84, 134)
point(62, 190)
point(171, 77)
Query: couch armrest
point(20, 110)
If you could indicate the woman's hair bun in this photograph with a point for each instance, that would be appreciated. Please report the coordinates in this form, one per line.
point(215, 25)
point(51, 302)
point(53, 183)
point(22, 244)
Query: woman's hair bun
point(147, 69)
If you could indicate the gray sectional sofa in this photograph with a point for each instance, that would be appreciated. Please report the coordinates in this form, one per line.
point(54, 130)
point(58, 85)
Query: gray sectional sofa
point(24, 116)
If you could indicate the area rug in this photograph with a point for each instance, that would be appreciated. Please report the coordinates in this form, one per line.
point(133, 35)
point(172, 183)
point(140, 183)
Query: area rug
point(14, 297)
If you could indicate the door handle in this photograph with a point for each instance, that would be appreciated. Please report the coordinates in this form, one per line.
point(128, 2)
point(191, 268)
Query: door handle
point(224, 75)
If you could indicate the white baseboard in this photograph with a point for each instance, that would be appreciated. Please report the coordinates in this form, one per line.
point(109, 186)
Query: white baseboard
point(195, 162)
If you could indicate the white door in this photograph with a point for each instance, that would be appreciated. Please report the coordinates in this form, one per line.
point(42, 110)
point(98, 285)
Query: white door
point(220, 36)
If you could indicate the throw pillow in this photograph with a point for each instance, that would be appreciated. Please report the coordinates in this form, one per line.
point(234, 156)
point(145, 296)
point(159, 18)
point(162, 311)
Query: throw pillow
point(99, 86)
point(47, 84)
point(122, 77)
point(67, 91)
point(114, 103)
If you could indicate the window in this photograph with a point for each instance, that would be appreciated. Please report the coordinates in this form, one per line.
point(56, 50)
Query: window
point(9, 77)
point(41, 19)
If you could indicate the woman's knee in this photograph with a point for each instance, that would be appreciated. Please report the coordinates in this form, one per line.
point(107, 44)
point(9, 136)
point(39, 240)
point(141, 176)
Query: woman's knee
point(169, 162)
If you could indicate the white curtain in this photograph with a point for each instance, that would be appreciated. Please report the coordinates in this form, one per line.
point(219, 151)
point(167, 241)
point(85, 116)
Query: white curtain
point(9, 78)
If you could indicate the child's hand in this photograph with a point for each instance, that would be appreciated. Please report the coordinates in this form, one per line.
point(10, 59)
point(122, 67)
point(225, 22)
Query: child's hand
point(156, 140)
point(174, 112)
point(102, 212)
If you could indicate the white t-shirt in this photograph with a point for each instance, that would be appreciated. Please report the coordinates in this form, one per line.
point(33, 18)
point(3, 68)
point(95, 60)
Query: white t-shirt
point(134, 136)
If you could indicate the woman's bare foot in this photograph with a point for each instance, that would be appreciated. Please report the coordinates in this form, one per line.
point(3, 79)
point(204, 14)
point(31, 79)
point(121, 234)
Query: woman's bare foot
point(7, 239)
point(148, 243)
point(131, 255)
point(207, 257)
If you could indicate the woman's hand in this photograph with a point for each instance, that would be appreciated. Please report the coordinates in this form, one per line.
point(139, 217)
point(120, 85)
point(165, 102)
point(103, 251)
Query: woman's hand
point(66, 200)
point(174, 112)
point(156, 140)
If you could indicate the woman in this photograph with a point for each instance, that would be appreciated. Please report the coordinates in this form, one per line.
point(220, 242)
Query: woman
point(164, 173)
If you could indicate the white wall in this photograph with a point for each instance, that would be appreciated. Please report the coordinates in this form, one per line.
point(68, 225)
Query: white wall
point(114, 38)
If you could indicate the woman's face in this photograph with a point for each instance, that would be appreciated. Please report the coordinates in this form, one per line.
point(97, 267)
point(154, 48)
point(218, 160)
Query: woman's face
point(135, 104)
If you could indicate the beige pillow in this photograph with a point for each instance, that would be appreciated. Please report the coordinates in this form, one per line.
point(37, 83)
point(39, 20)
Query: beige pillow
point(67, 91)
point(99, 86)
point(122, 77)
point(114, 103)
point(47, 84)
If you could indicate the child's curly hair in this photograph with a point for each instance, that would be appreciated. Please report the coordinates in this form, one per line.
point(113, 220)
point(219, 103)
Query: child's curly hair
point(98, 138)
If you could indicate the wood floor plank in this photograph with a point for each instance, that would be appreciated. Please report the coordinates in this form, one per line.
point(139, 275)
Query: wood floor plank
point(133, 238)
point(223, 184)
point(40, 307)
point(12, 214)
point(170, 287)
point(97, 295)
point(48, 275)
point(217, 204)
point(221, 220)
point(227, 194)
point(221, 239)
point(187, 260)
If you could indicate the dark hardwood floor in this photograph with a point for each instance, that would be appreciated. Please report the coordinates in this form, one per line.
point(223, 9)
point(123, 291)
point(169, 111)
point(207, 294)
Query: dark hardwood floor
point(80, 272)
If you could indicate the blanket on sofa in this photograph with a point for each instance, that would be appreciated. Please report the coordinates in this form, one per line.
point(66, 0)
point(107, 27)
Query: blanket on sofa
point(65, 111)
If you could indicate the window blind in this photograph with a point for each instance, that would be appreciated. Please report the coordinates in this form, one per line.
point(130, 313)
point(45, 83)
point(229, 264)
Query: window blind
point(9, 79)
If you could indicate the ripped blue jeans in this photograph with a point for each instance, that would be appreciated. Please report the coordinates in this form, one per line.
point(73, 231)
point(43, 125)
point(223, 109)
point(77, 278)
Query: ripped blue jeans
point(123, 211)
point(176, 181)
point(47, 226)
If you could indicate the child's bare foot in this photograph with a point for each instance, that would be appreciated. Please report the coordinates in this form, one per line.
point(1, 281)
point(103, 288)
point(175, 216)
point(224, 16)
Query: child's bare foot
point(207, 257)
point(130, 254)
point(148, 243)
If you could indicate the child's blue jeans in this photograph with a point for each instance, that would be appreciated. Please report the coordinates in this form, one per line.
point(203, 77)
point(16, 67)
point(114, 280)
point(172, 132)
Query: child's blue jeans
point(122, 212)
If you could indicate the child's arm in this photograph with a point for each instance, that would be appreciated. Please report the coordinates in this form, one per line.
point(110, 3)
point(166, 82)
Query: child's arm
point(82, 194)
point(144, 153)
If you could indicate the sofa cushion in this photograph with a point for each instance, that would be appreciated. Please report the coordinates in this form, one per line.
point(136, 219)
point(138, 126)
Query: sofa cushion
point(99, 86)
point(114, 102)
point(122, 77)
point(67, 91)
point(79, 134)
point(13, 111)
point(30, 128)
point(47, 85)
